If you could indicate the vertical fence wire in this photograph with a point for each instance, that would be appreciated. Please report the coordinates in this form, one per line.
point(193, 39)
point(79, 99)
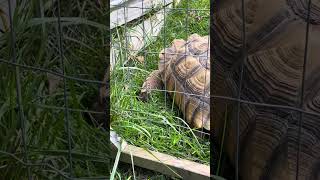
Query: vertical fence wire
point(127, 55)
point(66, 112)
point(143, 36)
point(244, 58)
point(213, 10)
point(164, 54)
point(301, 100)
point(18, 91)
point(205, 77)
point(185, 58)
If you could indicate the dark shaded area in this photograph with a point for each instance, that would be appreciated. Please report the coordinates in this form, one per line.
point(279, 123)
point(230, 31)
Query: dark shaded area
point(43, 130)
point(273, 69)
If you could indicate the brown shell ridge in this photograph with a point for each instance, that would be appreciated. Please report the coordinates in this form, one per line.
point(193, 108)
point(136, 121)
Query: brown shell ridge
point(182, 80)
point(189, 73)
point(271, 75)
point(262, 132)
point(194, 71)
point(197, 111)
point(267, 31)
point(185, 74)
point(300, 7)
point(184, 100)
point(228, 37)
point(228, 27)
point(312, 95)
point(195, 90)
point(277, 161)
point(271, 85)
point(309, 143)
point(187, 89)
point(313, 103)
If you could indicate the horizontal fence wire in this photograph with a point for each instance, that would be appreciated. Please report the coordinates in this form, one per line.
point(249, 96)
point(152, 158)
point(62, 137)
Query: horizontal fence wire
point(33, 68)
point(152, 8)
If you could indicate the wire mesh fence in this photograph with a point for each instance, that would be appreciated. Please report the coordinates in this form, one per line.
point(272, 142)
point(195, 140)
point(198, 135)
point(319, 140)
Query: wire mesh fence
point(49, 55)
point(261, 68)
point(264, 106)
point(140, 31)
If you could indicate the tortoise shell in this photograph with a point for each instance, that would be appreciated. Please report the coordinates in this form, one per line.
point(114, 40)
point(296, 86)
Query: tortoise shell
point(185, 71)
point(272, 74)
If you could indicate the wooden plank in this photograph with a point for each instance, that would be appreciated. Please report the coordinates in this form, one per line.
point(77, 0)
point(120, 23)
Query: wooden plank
point(132, 9)
point(114, 3)
point(159, 162)
point(139, 36)
point(145, 32)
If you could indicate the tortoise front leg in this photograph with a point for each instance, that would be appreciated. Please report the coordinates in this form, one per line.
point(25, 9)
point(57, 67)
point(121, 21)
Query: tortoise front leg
point(152, 82)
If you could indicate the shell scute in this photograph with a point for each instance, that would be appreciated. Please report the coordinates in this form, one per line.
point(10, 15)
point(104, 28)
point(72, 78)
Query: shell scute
point(188, 74)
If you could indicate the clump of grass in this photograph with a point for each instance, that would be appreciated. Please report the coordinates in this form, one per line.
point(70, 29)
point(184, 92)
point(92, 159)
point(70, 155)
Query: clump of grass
point(157, 125)
point(46, 135)
point(152, 125)
point(84, 49)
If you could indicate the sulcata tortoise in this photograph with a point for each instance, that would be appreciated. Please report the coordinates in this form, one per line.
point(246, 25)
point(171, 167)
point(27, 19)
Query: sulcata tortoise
point(184, 70)
point(272, 74)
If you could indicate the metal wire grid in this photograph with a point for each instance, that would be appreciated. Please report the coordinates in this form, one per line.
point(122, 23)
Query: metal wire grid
point(18, 89)
point(299, 109)
point(66, 77)
point(145, 52)
point(18, 66)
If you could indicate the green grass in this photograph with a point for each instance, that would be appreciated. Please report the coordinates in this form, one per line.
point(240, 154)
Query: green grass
point(153, 125)
point(157, 125)
point(125, 172)
point(45, 130)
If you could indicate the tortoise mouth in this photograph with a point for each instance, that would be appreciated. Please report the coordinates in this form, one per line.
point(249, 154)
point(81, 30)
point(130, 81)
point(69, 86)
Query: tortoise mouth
point(142, 96)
